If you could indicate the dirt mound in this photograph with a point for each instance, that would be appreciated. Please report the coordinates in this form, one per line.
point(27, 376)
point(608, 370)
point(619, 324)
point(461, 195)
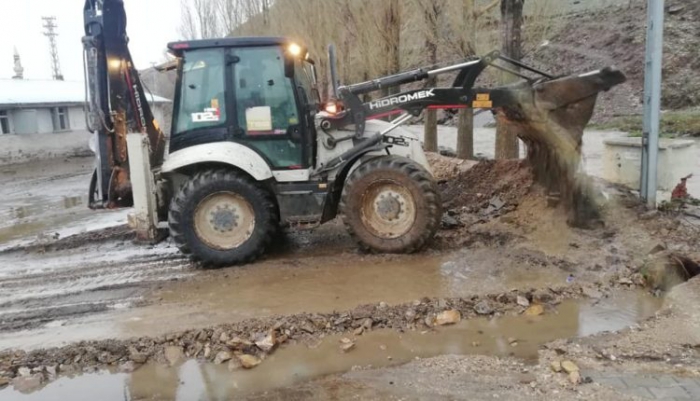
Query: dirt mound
point(446, 168)
point(487, 183)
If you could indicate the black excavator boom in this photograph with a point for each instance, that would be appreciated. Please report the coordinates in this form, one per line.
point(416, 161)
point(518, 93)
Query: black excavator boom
point(116, 103)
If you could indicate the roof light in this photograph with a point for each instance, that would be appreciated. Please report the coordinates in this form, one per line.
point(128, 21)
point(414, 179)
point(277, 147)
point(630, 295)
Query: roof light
point(294, 49)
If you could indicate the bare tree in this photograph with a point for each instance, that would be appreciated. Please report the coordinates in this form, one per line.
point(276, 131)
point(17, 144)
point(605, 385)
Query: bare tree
point(469, 39)
point(507, 146)
point(431, 13)
point(200, 19)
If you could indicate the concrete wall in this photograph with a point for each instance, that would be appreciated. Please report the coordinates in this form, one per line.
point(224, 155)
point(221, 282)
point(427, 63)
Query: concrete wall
point(622, 161)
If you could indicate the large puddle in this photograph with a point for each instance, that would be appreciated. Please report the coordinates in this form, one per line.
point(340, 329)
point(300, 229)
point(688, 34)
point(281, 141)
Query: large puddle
point(295, 363)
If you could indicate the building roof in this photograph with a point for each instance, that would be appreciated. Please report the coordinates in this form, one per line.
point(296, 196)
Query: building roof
point(17, 92)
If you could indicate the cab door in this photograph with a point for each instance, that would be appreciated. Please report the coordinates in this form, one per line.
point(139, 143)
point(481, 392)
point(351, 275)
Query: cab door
point(268, 116)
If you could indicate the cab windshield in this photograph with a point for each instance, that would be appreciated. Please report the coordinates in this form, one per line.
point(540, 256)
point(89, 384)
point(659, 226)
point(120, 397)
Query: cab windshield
point(202, 96)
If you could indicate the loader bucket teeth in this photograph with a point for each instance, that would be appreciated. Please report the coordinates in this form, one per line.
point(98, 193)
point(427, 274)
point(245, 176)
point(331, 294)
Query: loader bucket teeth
point(550, 117)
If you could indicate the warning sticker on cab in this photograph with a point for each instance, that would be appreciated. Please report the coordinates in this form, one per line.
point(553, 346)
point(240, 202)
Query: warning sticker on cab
point(208, 115)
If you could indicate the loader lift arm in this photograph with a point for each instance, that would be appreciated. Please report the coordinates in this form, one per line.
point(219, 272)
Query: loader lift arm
point(517, 102)
point(116, 103)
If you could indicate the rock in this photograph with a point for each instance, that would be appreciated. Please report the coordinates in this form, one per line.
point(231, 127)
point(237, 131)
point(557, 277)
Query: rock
point(267, 343)
point(676, 9)
point(207, 351)
point(512, 340)
point(658, 248)
point(139, 357)
point(556, 366)
point(173, 355)
point(367, 324)
point(221, 357)
point(383, 305)
point(522, 301)
point(448, 317)
point(483, 308)
point(625, 281)
point(534, 310)
point(592, 293)
point(497, 203)
point(127, 367)
point(224, 337)
point(569, 366)
point(28, 384)
point(410, 315)
point(447, 152)
point(249, 361)
point(542, 296)
point(234, 364)
point(346, 347)
point(238, 343)
point(24, 371)
point(358, 331)
point(4, 381)
point(52, 370)
point(310, 328)
point(429, 320)
point(449, 222)
point(575, 377)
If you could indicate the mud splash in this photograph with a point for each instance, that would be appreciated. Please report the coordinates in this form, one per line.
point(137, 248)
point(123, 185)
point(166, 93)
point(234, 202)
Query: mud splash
point(517, 336)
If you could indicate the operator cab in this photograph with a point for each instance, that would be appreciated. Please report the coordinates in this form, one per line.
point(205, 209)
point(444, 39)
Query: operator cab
point(260, 92)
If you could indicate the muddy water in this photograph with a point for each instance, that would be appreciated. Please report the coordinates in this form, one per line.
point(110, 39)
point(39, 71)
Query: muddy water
point(46, 199)
point(295, 363)
point(325, 284)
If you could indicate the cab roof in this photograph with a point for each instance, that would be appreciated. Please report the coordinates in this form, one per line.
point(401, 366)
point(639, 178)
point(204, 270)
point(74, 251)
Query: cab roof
point(178, 47)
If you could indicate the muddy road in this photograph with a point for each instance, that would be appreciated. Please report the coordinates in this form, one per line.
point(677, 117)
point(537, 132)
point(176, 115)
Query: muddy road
point(86, 310)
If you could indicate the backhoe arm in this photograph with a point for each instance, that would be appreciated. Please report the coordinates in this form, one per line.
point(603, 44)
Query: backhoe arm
point(116, 102)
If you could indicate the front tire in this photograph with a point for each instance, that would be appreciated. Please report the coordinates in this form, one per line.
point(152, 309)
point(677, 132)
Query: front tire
point(391, 204)
point(220, 218)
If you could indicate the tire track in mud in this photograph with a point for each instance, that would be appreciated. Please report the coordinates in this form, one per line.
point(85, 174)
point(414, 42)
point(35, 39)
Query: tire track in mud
point(37, 288)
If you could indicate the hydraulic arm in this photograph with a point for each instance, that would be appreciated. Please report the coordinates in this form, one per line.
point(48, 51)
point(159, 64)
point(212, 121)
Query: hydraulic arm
point(116, 103)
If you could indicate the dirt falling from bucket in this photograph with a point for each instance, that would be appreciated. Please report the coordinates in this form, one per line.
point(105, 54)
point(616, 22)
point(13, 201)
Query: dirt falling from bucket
point(550, 118)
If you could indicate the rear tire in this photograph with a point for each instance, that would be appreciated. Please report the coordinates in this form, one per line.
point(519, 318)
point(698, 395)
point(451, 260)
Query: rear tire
point(222, 218)
point(391, 204)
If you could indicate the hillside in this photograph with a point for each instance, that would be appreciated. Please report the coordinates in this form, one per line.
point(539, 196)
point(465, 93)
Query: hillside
point(615, 35)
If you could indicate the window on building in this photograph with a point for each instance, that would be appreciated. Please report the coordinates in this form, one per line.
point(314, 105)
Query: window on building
point(4, 122)
point(60, 119)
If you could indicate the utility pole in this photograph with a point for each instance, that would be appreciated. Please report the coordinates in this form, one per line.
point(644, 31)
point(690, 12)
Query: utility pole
point(652, 100)
point(50, 32)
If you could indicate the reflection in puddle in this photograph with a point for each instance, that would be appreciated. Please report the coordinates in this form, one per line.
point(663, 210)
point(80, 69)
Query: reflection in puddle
point(295, 363)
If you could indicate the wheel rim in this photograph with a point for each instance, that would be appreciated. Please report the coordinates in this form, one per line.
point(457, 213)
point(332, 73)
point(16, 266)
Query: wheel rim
point(224, 220)
point(388, 209)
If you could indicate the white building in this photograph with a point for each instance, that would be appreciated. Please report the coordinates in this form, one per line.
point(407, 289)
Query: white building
point(44, 107)
point(45, 118)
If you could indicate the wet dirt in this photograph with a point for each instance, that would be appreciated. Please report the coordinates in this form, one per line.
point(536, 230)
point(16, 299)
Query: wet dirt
point(514, 336)
point(47, 200)
point(314, 284)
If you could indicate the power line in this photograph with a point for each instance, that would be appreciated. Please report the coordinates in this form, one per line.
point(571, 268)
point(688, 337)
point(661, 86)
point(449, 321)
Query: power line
point(50, 32)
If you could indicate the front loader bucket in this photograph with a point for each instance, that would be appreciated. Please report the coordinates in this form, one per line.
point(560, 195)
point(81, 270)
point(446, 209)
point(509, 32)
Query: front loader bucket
point(550, 116)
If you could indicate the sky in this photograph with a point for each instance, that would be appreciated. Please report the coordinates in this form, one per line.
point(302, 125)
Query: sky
point(151, 24)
